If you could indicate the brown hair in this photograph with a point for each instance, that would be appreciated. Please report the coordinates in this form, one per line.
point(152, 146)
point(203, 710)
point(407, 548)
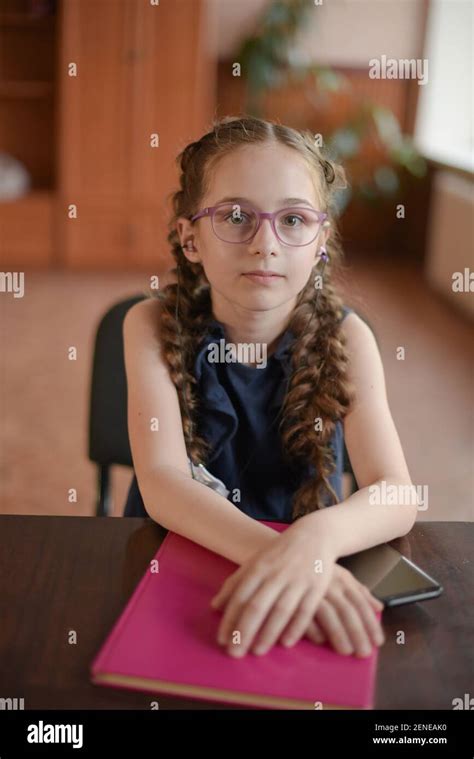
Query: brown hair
point(318, 351)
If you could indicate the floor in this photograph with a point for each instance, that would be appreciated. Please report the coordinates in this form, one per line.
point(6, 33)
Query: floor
point(44, 395)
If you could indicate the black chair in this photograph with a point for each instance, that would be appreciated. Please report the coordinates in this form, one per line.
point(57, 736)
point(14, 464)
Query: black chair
point(347, 467)
point(108, 429)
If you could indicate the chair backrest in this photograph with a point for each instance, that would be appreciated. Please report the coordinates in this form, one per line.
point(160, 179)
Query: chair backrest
point(108, 429)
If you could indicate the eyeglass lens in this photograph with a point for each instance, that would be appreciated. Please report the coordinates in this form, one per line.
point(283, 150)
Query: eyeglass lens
point(238, 223)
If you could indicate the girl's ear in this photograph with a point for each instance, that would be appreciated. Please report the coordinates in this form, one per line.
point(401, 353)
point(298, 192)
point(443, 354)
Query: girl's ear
point(190, 252)
point(324, 236)
point(185, 232)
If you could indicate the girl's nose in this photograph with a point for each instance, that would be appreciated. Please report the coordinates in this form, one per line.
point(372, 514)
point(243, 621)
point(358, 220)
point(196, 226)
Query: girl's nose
point(264, 241)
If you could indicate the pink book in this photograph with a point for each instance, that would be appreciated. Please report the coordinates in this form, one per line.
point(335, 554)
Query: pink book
point(165, 641)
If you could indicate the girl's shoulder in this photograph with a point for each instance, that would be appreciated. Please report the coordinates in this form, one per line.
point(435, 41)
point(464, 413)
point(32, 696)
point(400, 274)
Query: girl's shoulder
point(354, 321)
point(147, 309)
point(146, 312)
point(142, 324)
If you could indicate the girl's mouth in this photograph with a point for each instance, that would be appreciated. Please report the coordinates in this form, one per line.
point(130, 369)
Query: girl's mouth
point(263, 277)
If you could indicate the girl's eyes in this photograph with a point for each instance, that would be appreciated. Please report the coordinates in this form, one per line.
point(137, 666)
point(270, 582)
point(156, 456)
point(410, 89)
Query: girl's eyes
point(235, 217)
point(294, 216)
point(242, 215)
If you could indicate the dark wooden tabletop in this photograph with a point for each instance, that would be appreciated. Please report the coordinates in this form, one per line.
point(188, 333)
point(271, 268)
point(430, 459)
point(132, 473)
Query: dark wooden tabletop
point(66, 575)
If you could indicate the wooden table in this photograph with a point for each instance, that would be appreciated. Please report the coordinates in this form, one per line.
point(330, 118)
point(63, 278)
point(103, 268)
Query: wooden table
point(60, 575)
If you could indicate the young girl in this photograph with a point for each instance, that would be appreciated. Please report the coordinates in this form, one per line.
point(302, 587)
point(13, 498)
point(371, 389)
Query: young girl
point(219, 443)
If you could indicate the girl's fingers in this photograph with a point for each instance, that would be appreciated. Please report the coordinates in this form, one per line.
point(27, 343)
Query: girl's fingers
point(352, 622)
point(236, 601)
point(302, 617)
point(282, 611)
point(367, 614)
point(315, 633)
point(246, 613)
point(378, 605)
point(226, 588)
point(329, 620)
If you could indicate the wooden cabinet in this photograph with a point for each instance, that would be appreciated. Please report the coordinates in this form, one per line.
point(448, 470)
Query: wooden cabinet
point(26, 231)
point(126, 70)
point(28, 36)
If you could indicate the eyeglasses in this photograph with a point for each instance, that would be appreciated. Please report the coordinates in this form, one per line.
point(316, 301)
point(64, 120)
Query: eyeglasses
point(239, 224)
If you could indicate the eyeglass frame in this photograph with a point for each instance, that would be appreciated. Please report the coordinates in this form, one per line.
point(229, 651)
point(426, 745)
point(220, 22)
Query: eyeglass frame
point(210, 211)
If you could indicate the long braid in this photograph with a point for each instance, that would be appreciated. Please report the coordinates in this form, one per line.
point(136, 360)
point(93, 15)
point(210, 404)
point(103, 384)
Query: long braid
point(324, 364)
point(179, 334)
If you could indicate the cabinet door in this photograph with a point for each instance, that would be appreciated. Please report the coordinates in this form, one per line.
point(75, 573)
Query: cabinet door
point(26, 231)
point(100, 237)
point(173, 96)
point(142, 70)
point(173, 91)
point(94, 122)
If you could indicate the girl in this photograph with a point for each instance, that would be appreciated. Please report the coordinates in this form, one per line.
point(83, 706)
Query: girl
point(219, 444)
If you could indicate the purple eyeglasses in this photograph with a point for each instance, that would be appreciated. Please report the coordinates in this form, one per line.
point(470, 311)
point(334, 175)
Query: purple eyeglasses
point(224, 215)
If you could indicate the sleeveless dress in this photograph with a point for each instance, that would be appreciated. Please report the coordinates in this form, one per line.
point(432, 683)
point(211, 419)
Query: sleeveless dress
point(238, 403)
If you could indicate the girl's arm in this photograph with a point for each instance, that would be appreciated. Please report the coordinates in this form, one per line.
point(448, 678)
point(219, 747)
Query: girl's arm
point(277, 592)
point(376, 455)
point(170, 495)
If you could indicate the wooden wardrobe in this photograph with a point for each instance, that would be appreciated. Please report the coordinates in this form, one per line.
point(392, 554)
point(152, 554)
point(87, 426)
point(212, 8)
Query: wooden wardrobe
point(110, 92)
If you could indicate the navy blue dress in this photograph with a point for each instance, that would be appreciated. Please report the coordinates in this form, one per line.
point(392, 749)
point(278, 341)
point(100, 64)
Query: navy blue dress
point(238, 403)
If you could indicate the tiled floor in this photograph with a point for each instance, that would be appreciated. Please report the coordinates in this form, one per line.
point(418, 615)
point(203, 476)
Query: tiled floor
point(45, 396)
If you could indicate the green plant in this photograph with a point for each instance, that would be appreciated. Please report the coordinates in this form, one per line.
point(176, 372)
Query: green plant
point(270, 60)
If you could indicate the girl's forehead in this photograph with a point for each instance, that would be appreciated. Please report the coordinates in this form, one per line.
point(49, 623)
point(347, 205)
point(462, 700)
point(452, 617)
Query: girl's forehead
point(264, 153)
point(248, 169)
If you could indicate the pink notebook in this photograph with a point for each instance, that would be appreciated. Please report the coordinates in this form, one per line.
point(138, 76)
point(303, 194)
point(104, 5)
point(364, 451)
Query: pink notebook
point(164, 642)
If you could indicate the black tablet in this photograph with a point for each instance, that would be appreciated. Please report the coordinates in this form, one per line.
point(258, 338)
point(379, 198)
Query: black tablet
point(391, 577)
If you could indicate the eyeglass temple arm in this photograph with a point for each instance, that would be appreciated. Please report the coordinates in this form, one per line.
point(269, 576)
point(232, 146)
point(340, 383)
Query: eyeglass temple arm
point(204, 212)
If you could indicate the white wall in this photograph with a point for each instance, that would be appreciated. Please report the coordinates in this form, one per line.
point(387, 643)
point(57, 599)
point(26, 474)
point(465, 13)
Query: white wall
point(450, 237)
point(344, 32)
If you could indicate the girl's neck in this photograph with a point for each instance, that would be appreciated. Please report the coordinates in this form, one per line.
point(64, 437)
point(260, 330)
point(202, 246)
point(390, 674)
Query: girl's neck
point(255, 333)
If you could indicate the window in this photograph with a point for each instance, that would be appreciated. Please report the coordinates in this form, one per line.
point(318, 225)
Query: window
point(443, 129)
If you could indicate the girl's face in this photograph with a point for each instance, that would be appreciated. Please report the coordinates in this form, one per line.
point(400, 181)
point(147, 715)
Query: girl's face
point(265, 176)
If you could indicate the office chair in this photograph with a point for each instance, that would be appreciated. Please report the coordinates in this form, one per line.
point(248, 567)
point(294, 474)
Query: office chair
point(108, 429)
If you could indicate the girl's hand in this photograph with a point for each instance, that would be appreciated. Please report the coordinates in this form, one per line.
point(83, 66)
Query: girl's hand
point(346, 616)
point(277, 590)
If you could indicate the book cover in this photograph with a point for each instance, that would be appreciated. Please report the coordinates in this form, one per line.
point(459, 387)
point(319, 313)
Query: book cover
point(165, 642)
